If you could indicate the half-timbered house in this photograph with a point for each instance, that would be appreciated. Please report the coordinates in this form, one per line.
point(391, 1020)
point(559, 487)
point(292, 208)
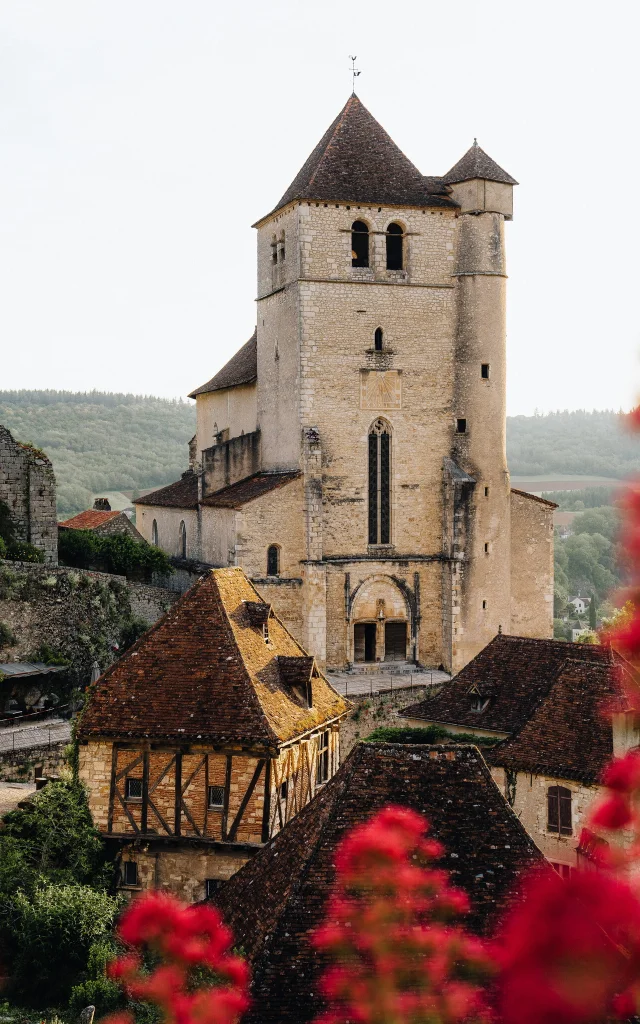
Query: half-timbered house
point(207, 736)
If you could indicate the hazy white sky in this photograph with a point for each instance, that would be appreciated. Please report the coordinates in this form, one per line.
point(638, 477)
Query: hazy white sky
point(139, 139)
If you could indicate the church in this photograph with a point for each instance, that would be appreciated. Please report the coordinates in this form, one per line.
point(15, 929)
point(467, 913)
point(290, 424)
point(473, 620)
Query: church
point(351, 457)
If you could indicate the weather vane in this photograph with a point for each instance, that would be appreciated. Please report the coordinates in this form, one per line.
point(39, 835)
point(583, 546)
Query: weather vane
point(354, 73)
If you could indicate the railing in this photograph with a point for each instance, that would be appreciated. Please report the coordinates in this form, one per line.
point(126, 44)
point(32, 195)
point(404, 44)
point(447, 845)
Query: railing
point(358, 690)
point(28, 716)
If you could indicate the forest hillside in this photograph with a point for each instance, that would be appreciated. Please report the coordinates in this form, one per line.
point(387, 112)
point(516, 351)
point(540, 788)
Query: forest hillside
point(101, 442)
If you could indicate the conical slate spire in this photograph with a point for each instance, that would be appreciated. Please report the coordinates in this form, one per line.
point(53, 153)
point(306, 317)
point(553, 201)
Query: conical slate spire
point(477, 164)
point(357, 161)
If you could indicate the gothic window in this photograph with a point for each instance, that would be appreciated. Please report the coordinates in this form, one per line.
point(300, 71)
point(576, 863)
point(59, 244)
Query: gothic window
point(559, 810)
point(394, 247)
point(183, 539)
point(154, 533)
point(377, 339)
point(380, 483)
point(273, 560)
point(359, 244)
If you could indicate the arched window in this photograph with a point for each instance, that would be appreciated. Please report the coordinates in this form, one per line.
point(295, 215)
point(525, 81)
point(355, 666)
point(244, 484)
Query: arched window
point(377, 339)
point(559, 810)
point(273, 560)
point(154, 533)
point(183, 539)
point(394, 247)
point(359, 244)
point(380, 483)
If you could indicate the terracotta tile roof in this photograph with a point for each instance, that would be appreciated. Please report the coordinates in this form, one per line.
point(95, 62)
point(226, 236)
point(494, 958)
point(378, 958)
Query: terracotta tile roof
point(357, 161)
point(534, 497)
point(516, 673)
point(275, 900)
point(248, 490)
point(242, 368)
point(569, 735)
point(477, 164)
point(181, 494)
point(204, 672)
point(88, 520)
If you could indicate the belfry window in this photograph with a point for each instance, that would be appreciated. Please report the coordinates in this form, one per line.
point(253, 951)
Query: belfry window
point(183, 540)
point(154, 533)
point(394, 247)
point(380, 483)
point(281, 248)
point(274, 249)
point(359, 244)
point(377, 339)
point(273, 560)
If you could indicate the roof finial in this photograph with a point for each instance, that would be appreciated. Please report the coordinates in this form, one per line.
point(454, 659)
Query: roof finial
point(475, 142)
point(354, 74)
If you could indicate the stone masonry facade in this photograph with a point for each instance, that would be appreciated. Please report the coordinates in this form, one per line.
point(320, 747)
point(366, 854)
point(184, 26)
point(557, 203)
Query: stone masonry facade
point(28, 489)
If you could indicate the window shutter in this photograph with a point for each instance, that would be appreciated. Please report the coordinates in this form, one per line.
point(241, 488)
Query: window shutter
point(566, 827)
point(553, 817)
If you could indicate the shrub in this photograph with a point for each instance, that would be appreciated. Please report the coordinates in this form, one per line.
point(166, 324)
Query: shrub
point(7, 639)
point(427, 734)
point(118, 553)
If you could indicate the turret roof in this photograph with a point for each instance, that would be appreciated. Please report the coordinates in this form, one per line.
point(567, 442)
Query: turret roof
point(357, 161)
point(477, 164)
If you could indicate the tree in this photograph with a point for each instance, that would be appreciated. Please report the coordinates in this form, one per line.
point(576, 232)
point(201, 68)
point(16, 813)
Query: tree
point(593, 615)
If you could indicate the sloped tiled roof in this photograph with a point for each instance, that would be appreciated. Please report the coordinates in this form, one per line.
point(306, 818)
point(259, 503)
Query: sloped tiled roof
point(244, 491)
point(276, 899)
point(516, 673)
point(242, 368)
point(204, 672)
point(534, 497)
point(89, 520)
point(477, 164)
point(357, 161)
point(181, 494)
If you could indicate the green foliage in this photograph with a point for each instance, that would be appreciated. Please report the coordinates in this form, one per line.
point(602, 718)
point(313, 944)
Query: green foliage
point(51, 932)
point(584, 443)
point(48, 656)
point(587, 497)
point(561, 630)
point(101, 442)
point(7, 639)
point(426, 734)
point(117, 553)
point(21, 551)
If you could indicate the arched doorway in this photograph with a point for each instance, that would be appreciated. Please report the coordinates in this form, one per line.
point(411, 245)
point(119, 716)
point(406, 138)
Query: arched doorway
point(379, 622)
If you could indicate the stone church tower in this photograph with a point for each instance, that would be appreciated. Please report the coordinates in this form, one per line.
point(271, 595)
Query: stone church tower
point(351, 456)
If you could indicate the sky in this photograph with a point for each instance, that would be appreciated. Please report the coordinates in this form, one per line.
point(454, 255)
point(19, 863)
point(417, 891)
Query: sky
point(140, 139)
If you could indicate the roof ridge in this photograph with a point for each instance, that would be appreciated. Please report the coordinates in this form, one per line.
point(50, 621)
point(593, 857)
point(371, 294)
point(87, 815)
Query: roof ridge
point(338, 124)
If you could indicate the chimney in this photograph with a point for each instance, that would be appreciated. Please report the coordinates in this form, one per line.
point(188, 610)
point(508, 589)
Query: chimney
point(102, 505)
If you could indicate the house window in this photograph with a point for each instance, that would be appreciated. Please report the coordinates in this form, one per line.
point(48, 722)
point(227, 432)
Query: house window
point(133, 789)
point(183, 540)
point(461, 426)
point(129, 873)
point(322, 773)
point(394, 247)
point(359, 244)
point(559, 810)
point(377, 339)
point(216, 798)
point(283, 791)
point(212, 887)
point(273, 560)
point(380, 483)
point(154, 533)
point(564, 870)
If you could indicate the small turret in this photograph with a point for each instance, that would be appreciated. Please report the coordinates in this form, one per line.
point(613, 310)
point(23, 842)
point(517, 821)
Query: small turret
point(480, 185)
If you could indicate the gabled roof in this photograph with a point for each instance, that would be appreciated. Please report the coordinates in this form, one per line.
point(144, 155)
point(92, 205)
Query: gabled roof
point(242, 368)
point(534, 497)
point(279, 896)
point(89, 520)
point(205, 673)
point(518, 672)
point(477, 164)
point(357, 161)
point(181, 494)
point(239, 494)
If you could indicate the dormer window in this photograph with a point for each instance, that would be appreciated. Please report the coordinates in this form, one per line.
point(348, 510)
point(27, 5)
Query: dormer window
point(479, 703)
point(359, 244)
point(395, 236)
point(259, 612)
point(296, 673)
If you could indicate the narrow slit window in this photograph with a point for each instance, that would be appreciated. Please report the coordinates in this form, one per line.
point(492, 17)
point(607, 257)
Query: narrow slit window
point(380, 483)
point(183, 540)
point(154, 533)
point(486, 492)
point(133, 789)
point(461, 426)
point(274, 250)
point(273, 560)
point(484, 371)
point(377, 339)
point(130, 872)
point(484, 605)
point(281, 248)
point(486, 549)
point(359, 244)
point(216, 798)
point(394, 247)
point(559, 817)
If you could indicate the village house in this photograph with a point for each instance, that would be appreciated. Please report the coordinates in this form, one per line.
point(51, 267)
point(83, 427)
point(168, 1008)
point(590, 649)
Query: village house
point(210, 733)
point(351, 455)
point(275, 901)
point(103, 521)
point(546, 704)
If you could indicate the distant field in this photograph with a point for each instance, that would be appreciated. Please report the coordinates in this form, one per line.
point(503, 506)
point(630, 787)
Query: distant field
point(561, 482)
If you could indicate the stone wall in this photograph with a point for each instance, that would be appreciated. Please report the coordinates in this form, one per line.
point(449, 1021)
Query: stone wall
point(531, 566)
point(374, 712)
point(28, 489)
point(20, 765)
point(226, 463)
point(232, 410)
